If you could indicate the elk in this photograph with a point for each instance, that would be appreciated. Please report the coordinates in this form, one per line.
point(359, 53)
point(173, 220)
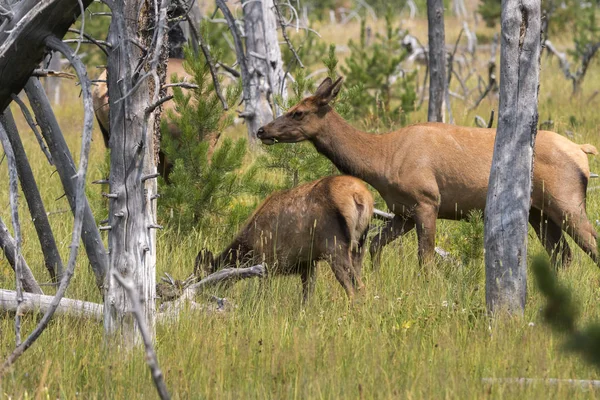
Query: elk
point(433, 170)
point(327, 219)
point(101, 108)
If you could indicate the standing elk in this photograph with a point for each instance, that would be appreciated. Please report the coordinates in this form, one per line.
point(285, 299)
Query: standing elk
point(327, 219)
point(433, 170)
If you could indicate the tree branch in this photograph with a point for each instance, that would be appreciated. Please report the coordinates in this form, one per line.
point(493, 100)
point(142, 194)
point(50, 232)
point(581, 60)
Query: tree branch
point(61, 155)
point(58, 45)
point(52, 259)
point(151, 358)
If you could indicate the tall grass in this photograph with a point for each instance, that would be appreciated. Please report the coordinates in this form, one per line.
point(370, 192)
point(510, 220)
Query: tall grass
point(415, 333)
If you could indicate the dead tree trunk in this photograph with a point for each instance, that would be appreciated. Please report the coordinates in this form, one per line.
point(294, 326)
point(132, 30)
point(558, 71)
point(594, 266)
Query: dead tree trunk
point(509, 190)
point(437, 60)
point(264, 61)
point(133, 86)
point(52, 258)
point(63, 161)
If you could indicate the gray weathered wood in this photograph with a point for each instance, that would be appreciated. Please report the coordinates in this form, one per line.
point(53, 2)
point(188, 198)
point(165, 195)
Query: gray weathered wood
point(8, 245)
point(145, 333)
point(22, 39)
point(63, 161)
point(437, 60)
point(88, 121)
point(41, 303)
point(264, 59)
point(39, 217)
point(13, 189)
point(260, 25)
point(509, 191)
point(132, 210)
point(261, 65)
point(250, 91)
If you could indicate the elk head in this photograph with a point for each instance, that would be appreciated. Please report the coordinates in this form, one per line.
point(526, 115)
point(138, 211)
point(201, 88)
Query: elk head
point(205, 263)
point(304, 120)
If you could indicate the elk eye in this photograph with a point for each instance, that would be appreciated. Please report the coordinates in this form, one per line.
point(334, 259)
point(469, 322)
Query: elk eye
point(297, 114)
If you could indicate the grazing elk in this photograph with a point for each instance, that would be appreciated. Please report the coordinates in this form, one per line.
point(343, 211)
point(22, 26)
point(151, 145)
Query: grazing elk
point(433, 170)
point(327, 219)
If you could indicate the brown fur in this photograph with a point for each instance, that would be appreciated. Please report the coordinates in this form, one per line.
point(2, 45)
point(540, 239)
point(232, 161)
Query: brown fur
point(290, 231)
point(101, 108)
point(433, 170)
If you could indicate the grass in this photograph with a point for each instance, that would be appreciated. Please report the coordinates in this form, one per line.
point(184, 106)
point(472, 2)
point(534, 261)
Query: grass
point(413, 334)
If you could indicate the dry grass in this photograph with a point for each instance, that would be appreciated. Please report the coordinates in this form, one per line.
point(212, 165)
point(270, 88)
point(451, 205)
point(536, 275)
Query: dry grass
point(414, 333)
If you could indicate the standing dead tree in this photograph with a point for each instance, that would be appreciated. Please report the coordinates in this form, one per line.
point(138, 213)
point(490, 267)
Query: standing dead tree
point(261, 65)
point(576, 77)
point(437, 60)
point(136, 72)
point(510, 184)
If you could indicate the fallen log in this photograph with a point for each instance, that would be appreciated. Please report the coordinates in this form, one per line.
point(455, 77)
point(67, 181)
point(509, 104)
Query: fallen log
point(95, 311)
point(40, 303)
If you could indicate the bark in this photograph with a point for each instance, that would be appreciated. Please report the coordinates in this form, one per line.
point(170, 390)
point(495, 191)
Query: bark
point(509, 190)
point(22, 39)
point(132, 212)
point(437, 60)
point(41, 303)
point(264, 61)
point(39, 217)
point(63, 161)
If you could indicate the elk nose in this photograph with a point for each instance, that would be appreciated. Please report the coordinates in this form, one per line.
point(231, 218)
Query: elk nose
point(260, 132)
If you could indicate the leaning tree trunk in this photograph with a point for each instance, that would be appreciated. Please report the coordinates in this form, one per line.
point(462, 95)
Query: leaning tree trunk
point(509, 191)
point(437, 60)
point(264, 62)
point(133, 145)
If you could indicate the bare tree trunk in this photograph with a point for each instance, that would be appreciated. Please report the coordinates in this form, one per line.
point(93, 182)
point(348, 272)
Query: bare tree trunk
point(509, 191)
point(437, 60)
point(264, 61)
point(63, 161)
point(133, 144)
point(52, 258)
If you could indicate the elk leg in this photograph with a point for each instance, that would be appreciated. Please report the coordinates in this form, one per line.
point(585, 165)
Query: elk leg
point(581, 230)
point(392, 229)
point(551, 236)
point(308, 275)
point(357, 256)
point(425, 221)
point(341, 265)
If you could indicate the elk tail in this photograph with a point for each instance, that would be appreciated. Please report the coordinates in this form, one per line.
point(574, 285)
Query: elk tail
point(589, 149)
point(364, 208)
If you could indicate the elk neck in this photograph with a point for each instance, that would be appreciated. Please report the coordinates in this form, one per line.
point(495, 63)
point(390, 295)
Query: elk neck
point(351, 150)
point(232, 254)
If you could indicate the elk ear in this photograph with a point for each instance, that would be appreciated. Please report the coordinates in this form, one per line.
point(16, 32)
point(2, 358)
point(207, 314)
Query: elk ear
point(323, 87)
point(326, 95)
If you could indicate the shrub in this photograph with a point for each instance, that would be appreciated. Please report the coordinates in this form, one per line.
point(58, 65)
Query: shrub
point(205, 189)
point(383, 94)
